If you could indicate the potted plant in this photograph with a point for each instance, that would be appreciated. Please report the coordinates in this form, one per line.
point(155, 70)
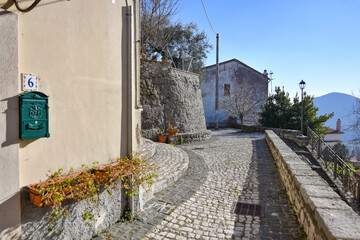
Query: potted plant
point(58, 188)
point(154, 58)
point(161, 136)
point(143, 56)
point(87, 182)
point(103, 173)
point(164, 60)
point(172, 130)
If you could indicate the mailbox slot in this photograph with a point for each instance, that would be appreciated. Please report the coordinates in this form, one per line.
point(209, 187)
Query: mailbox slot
point(34, 115)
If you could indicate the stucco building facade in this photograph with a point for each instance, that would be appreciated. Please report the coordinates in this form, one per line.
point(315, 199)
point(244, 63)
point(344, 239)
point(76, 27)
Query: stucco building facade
point(233, 76)
point(332, 136)
point(86, 55)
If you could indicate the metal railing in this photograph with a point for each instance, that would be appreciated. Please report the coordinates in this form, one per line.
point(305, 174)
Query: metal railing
point(340, 170)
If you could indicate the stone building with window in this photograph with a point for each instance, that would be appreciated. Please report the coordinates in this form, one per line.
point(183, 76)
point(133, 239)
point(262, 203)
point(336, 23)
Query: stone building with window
point(234, 75)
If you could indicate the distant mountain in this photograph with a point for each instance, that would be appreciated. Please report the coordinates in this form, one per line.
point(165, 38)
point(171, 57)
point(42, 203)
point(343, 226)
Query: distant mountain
point(343, 106)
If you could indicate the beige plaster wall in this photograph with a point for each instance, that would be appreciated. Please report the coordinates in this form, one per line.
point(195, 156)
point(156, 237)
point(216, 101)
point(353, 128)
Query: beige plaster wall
point(332, 139)
point(80, 51)
point(9, 146)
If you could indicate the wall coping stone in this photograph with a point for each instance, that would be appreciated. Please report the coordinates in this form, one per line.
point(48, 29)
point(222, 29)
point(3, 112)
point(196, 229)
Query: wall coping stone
point(339, 223)
point(188, 137)
point(293, 135)
point(320, 210)
point(318, 191)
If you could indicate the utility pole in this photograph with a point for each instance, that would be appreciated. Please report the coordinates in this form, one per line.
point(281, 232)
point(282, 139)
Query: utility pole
point(182, 56)
point(217, 83)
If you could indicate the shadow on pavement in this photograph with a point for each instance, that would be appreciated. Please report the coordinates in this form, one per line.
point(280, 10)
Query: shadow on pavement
point(263, 186)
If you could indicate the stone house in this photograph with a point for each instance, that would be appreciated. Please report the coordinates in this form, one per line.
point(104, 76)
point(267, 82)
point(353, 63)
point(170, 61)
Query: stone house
point(332, 136)
point(234, 75)
point(86, 55)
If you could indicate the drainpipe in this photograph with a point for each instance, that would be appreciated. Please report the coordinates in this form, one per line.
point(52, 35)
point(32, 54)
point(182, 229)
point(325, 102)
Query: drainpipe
point(130, 82)
point(137, 53)
point(132, 98)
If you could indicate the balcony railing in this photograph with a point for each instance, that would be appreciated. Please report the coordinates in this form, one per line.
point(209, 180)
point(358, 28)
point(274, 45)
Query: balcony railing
point(336, 165)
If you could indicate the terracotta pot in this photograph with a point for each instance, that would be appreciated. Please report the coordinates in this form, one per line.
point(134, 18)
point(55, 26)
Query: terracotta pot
point(38, 199)
point(103, 173)
point(173, 131)
point(162, 138)
point(163, 60)
point(35, 196)
point(101, 176)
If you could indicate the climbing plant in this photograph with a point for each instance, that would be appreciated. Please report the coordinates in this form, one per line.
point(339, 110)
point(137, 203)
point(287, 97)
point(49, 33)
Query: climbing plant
point(122, 173)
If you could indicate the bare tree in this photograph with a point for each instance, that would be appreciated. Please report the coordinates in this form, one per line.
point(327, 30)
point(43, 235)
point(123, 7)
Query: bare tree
point(156, 30)
point(355, 127)
point(241, 102)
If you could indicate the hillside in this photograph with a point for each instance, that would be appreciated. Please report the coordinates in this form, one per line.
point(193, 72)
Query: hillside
point(343, 107)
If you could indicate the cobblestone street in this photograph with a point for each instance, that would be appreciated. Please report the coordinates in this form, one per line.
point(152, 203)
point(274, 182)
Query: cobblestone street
point(232, 167)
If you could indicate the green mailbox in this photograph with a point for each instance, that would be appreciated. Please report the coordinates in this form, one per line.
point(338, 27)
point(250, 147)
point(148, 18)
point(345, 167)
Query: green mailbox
point(34, 115)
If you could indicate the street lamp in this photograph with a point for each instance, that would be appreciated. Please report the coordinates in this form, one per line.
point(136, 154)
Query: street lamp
point(302, 85)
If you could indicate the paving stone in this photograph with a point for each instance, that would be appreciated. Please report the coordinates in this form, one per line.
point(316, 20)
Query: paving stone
point(231, 167)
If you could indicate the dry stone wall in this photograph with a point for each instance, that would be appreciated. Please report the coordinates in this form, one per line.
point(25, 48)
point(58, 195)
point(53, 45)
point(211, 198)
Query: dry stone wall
point(35, 222)
point(320, 210)
point(171, 95)
point(293, 135)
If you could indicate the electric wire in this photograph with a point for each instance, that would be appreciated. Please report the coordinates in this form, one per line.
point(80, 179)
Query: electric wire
point(207, 16)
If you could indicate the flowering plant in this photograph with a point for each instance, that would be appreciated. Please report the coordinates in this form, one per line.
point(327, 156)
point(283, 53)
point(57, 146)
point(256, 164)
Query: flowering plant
point(171, 126)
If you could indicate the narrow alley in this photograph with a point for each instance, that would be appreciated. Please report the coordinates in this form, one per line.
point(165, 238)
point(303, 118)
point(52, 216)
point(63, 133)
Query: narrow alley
point(230, 171)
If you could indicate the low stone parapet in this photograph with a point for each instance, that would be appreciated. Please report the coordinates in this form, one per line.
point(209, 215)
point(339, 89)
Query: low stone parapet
point(193, 136)
point(293, 135)
point(320, 210)
point(188, 137)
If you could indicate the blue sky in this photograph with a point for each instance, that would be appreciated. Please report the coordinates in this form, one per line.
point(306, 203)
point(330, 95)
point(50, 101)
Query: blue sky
point(317, 41)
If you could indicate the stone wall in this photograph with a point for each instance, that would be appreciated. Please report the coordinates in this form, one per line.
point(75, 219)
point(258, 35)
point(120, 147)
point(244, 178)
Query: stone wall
point(170, 95)
point(237, 76)
point(293, 135)
point(35, 222)
point(320, 210)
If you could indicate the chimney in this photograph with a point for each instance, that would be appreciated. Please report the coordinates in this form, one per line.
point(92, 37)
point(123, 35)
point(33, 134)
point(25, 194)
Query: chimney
point(265, 72)
point(338, 125)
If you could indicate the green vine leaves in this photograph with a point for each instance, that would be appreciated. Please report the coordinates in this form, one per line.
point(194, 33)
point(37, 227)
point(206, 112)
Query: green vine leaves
point(123, 173)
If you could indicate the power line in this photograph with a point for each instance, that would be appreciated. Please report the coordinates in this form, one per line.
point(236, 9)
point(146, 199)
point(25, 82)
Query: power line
point(207, 16)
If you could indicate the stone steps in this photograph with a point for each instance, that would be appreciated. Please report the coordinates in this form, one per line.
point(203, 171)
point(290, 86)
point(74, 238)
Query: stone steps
point(170, 163)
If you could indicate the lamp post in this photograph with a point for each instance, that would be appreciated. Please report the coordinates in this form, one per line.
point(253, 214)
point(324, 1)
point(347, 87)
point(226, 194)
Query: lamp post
point(302, 85)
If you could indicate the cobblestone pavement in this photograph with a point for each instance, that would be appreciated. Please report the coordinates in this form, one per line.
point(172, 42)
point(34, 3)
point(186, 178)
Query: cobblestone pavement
point(163, 204)
point(170, 164)
point(232, 167)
